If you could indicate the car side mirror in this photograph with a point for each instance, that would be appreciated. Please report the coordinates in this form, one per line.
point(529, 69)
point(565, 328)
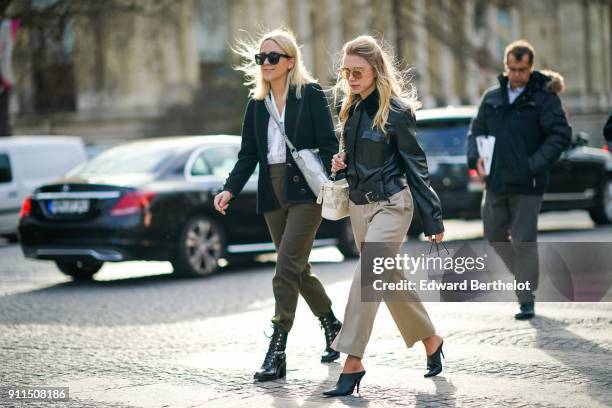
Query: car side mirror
point(581, 139)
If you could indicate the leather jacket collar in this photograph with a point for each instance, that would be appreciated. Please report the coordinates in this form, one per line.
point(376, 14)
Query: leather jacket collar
point(370, 103)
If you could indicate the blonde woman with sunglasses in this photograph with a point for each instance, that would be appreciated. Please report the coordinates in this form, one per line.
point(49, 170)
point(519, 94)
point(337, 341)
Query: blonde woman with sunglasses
point(388, 180)
point(277, 77)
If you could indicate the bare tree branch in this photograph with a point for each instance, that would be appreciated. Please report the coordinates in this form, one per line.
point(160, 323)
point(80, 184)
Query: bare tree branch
point(61, 11)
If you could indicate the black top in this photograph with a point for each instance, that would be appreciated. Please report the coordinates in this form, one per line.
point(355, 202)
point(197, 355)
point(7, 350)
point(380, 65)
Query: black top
point(308, 124)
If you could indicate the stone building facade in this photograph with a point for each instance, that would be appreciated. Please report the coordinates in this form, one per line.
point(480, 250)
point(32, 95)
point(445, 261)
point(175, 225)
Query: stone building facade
point(137, 76)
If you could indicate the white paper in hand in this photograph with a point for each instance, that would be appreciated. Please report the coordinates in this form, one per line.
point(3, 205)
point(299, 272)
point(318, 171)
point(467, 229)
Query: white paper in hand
point(485, 145)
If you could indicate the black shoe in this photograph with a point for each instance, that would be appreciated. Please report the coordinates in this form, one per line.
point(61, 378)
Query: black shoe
point(527, 311)
point(331, 326)
point(346, 384)
point(434, 362)
point(275, 362)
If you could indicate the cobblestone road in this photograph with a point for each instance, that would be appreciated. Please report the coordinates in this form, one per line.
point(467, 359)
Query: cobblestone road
point(133, 340)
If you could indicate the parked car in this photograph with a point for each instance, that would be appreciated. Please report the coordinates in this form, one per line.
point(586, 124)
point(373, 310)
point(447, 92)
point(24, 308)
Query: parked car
point(442, 134)
point(581, 179)
point(96, 147)
point(152, 200)
point(27, 162)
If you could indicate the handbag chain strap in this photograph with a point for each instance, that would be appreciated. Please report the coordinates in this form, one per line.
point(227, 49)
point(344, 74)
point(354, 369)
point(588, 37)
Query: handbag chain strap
point(340, 150)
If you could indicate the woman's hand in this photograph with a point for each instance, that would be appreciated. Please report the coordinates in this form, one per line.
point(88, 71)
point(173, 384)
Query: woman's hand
point(480, 167)
point(222, 201)
point(436, 238)
point(338, 162)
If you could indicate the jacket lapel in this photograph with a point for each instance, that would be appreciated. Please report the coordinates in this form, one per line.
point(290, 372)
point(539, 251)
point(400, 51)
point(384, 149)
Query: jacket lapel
point(261, 126)
point(291, 113)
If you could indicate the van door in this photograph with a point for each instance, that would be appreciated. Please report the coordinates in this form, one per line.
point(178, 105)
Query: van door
point(10, 201)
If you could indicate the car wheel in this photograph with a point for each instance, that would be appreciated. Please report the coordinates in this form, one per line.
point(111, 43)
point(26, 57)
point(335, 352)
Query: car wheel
point(346, 239)
point(601, 214)
point(201, 246)
point(80, 270)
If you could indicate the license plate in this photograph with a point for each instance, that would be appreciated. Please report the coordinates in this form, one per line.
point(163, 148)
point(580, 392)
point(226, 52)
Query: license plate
point(68, 206)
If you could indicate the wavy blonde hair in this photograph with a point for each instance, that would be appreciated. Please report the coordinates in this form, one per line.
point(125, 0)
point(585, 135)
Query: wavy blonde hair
point(393, 84)
point(259, 88)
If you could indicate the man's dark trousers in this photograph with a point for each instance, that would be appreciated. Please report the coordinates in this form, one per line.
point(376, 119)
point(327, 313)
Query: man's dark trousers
point(513, 218)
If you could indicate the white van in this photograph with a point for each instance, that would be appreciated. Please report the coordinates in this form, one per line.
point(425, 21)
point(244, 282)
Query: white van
point(26, 162)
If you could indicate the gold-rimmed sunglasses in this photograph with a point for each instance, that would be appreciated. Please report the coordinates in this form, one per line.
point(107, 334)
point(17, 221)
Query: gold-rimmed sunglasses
point(357, 72)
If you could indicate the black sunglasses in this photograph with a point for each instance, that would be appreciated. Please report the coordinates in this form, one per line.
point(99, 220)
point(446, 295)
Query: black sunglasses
point(273, 57)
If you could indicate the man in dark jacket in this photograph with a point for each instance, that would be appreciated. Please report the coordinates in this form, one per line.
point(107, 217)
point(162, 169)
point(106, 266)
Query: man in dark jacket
point(531, 132)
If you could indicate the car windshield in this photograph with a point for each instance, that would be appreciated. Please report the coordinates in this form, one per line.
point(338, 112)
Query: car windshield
point(140, 158)
point(443, 138)
point(215, 161)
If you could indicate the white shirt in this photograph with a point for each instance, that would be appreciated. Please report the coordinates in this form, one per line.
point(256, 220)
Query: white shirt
point(513, 94)
point(276, 142)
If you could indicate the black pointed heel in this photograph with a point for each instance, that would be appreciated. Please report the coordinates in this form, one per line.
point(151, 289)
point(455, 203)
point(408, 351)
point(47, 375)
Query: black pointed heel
point(434, 362)
point(346, 384)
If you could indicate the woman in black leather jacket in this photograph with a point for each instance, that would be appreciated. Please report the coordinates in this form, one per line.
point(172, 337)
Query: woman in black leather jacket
point(388, 179)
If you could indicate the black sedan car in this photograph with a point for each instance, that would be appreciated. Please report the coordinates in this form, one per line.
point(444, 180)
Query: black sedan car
point(581, 179)
point(152, 200)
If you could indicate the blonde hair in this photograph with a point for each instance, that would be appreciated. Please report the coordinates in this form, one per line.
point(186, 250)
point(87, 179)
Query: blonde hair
point(392, 83)
point(259, 88)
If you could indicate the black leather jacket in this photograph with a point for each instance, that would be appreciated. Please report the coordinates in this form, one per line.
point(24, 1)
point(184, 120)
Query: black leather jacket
point(380, 165)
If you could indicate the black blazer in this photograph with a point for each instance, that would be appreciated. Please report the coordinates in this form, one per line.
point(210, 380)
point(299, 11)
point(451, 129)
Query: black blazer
point(308, 124)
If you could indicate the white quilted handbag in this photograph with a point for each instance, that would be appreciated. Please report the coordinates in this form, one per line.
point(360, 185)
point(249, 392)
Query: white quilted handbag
point(334, 195)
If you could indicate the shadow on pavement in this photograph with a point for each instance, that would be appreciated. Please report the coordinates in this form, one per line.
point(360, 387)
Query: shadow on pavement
point(596, 370)
point(445, 394)
point(571, 231)
point(155, 299)
point(285, 396)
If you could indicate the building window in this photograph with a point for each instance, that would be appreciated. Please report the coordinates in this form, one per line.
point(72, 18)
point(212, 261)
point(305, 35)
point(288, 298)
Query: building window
point(479, 16)
point(504, 34)
point(211, 30)
point(52, 50)
point(52, 53)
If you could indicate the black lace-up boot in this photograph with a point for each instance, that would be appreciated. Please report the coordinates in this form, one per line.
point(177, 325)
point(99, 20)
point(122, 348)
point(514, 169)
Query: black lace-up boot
point(331, 327)
point(275, 362)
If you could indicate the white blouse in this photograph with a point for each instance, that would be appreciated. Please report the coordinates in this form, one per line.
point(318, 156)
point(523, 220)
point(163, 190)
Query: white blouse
point(276, 142)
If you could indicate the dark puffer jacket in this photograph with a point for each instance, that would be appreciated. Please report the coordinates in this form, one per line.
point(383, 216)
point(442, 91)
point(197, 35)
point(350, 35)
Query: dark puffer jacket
point(530, 135)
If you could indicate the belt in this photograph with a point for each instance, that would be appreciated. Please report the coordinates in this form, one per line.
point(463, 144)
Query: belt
point(361, 197)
